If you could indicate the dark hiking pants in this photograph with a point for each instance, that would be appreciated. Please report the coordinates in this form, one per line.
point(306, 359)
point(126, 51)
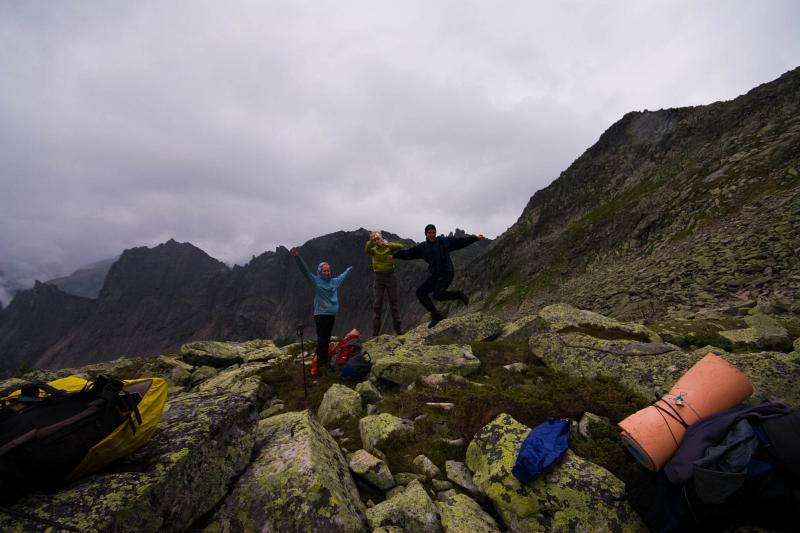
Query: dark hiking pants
point(324, 325)
point(437, 284)
point(385, 282)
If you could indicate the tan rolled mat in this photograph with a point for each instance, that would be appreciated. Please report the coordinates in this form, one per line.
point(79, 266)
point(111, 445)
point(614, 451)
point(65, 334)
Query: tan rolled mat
point(654, 433)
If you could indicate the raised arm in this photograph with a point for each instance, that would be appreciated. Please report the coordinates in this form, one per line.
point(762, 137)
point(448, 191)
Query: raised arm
point(338, 280)
point(302, 265)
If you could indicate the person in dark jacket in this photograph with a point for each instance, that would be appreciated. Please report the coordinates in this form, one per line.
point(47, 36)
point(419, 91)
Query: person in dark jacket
point(326, 302)
point(436, 252)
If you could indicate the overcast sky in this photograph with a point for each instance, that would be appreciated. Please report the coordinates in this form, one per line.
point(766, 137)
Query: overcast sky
point(241, 126)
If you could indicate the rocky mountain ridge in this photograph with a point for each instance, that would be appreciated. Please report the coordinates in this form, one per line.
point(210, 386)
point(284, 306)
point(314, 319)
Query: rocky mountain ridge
point(155, 299)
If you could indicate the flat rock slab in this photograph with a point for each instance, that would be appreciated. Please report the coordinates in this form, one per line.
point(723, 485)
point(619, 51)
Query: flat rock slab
point(212, 353)
point(460, 329)
point(565, 318)
point(774, 374)
point(298, 482)
point(575, 496)
point(401, 361)
point(243, 380)
point(205, 440)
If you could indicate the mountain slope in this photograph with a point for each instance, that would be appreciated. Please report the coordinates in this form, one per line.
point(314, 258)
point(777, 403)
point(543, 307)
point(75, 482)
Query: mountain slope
point(671, 210)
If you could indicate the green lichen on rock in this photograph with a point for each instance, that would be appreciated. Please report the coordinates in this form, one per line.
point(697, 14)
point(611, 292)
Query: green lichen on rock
point(212, 353)
point(402, 361)
point(581, 355)
point(564, 318)
point(203, 442)
point(298, 482)
point(460, 329)
point(242, 380)
point(774, 375)
point(372, 469)
point(575, 495)
point(339, 403)
point(458, 473)
point(261, 350)
point(412, 510)
point(459, 513)
point(764, 333)
point(369, 392)
point(375, 430)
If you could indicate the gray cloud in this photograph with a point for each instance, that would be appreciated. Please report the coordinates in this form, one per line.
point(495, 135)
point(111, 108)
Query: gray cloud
point(258, 124)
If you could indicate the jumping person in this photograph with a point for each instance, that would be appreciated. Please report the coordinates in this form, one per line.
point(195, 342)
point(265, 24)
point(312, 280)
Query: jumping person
point(326, 302)
point(436, 252)
point(385, 280)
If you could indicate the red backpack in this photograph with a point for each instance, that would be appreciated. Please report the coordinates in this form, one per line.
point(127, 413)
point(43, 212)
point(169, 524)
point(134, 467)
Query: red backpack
point(346, 348)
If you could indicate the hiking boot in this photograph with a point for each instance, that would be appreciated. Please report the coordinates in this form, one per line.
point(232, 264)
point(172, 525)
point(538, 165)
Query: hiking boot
point(435, 319)
point(464, 299)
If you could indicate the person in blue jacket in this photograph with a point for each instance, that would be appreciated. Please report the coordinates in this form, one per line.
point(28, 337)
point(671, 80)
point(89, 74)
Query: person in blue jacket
point(436, 252)
point(326, 303)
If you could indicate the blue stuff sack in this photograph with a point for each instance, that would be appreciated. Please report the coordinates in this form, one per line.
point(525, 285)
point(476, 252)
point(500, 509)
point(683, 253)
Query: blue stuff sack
point(544, 446)
point(357, 367)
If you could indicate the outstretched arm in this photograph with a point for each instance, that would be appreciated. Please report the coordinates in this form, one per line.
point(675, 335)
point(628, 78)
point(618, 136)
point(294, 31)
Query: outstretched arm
point(415, 252)
point(301, 265)
point(457, 243)
point(338, 280)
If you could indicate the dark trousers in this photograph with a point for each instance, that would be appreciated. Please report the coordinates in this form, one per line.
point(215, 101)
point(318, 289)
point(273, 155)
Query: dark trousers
point(385, 282)
point(324, 325)
point(437, 284)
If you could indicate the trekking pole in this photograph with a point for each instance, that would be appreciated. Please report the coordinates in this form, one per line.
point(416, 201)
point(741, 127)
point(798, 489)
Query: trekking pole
point(303, 359)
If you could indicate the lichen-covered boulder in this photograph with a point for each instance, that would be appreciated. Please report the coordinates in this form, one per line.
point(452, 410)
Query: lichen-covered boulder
point(400, 361)
point(378, 429)
point(369, 392)
point(460, 329)
point(298, 482)
point(764, 333)
point(413, 510)
point(460, 513)
point(585, 356)
point(575, 496)
point(260, 350)
point(425, 467)
point(204, 441)
point(212, 353)
point(372, 469)
point(243, 380)
point(202, 374)
point(458, 473)
point(774, 374)
point(797, 345)
point(558, 318)
point(339, 403)
point(520, 329)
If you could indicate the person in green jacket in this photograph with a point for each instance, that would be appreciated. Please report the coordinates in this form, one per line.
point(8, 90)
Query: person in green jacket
point(385, 281)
